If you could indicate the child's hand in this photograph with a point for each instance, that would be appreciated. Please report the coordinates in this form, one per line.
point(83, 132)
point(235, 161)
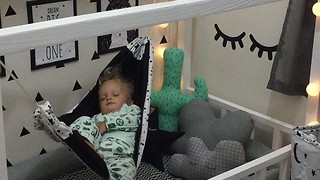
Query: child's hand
point(102, 128)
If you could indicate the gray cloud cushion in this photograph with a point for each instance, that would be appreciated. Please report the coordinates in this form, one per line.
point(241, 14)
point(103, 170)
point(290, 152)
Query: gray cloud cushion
point(197, 119)
point(201, 163)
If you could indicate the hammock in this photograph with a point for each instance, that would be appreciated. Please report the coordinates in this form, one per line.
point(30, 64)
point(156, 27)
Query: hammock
point(136, 62)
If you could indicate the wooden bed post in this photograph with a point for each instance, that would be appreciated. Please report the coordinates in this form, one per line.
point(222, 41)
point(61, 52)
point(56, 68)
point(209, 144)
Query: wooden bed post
point(3, 166)
point(312, 112)
point(185, 43)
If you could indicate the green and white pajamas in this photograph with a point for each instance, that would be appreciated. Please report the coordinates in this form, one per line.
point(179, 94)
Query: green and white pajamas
point(117, 144)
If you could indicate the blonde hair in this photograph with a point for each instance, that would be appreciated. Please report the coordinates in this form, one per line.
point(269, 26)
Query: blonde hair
point(114, 73)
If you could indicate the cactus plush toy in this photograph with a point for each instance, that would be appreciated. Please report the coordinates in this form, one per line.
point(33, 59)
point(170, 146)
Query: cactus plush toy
point(170, 99)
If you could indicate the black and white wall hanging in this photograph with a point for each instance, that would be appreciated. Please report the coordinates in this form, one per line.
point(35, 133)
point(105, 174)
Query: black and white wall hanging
point(53, 54)
point(114, 42)
point(238, 40)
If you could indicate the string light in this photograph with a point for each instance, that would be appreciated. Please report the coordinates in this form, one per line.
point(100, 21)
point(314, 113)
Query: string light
point(316, 9)
point(312, 123)
point(164, 25)
point(160, 51)
point(313, 89)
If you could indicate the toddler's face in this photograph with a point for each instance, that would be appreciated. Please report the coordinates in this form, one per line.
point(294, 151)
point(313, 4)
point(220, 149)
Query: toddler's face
point(112, 95)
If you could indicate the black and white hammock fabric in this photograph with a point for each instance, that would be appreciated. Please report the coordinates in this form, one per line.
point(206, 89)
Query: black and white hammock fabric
point(136, 63)
point(305, 154)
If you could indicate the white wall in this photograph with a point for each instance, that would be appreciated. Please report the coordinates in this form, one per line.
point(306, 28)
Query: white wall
point(239, 75)
point(236, 75)
point(55, 85)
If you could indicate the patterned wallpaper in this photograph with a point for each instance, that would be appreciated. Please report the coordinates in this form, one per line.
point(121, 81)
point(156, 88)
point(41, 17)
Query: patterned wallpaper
point(63, 84)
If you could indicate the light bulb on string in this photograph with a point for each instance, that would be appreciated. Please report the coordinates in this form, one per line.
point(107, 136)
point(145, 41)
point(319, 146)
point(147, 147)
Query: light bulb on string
point(313, 89)
point(160, 51)
point(316, 9)
point(164, 25)
point(312, 123)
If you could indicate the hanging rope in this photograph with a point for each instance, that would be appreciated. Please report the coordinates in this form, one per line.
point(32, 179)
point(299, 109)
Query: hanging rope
point(19, 84)
point(44, 116)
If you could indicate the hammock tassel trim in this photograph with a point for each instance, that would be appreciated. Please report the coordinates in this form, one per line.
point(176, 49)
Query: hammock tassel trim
point(44, 119)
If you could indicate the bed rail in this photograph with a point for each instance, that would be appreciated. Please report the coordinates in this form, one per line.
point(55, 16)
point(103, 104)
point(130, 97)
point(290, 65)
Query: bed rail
point(30, 36)
point(258, 166)
point(279, 128)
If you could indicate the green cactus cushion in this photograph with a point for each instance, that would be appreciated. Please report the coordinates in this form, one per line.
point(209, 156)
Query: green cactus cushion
point(170, 99)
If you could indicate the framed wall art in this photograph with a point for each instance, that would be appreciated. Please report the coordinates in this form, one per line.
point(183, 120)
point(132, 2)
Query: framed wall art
point(53, 54)
point(114, 42)
point(2, 70)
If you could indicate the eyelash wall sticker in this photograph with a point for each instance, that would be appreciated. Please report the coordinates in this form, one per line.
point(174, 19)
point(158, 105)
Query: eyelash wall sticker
point(227, 38)
point(262, 48)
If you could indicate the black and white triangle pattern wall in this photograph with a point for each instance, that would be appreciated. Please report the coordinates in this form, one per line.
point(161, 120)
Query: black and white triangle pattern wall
point(25, 129)
point(10, 11)
point(23, 141)
point(60, 65)
point(76, 86)
point(12, 76)
point(95, 56)
point(8, 163)
point(43, 151)
point(24, 132)
point(39, 98)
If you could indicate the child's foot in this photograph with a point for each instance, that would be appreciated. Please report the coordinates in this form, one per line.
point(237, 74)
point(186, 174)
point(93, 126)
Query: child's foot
point(46, 120)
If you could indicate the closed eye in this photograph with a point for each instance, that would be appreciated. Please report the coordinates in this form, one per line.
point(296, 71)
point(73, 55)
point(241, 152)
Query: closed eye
point(262, 48)
point(116, 94)
point(226, 38)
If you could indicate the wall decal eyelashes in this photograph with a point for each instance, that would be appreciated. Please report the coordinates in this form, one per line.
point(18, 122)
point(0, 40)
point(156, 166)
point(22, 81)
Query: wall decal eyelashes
point(255, 43)
point(262, 48)
point(227, 38)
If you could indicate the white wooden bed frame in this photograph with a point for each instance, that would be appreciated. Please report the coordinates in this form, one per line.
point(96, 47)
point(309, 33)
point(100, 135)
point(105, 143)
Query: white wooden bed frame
point(281, 153)
point(30, 36)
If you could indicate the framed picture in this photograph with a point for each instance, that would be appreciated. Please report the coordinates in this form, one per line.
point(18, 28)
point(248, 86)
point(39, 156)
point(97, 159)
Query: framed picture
point(2, 70)
point(53, 54)
point(114, 42)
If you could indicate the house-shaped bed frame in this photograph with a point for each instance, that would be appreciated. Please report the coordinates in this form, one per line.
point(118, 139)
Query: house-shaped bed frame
point(30, 36)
